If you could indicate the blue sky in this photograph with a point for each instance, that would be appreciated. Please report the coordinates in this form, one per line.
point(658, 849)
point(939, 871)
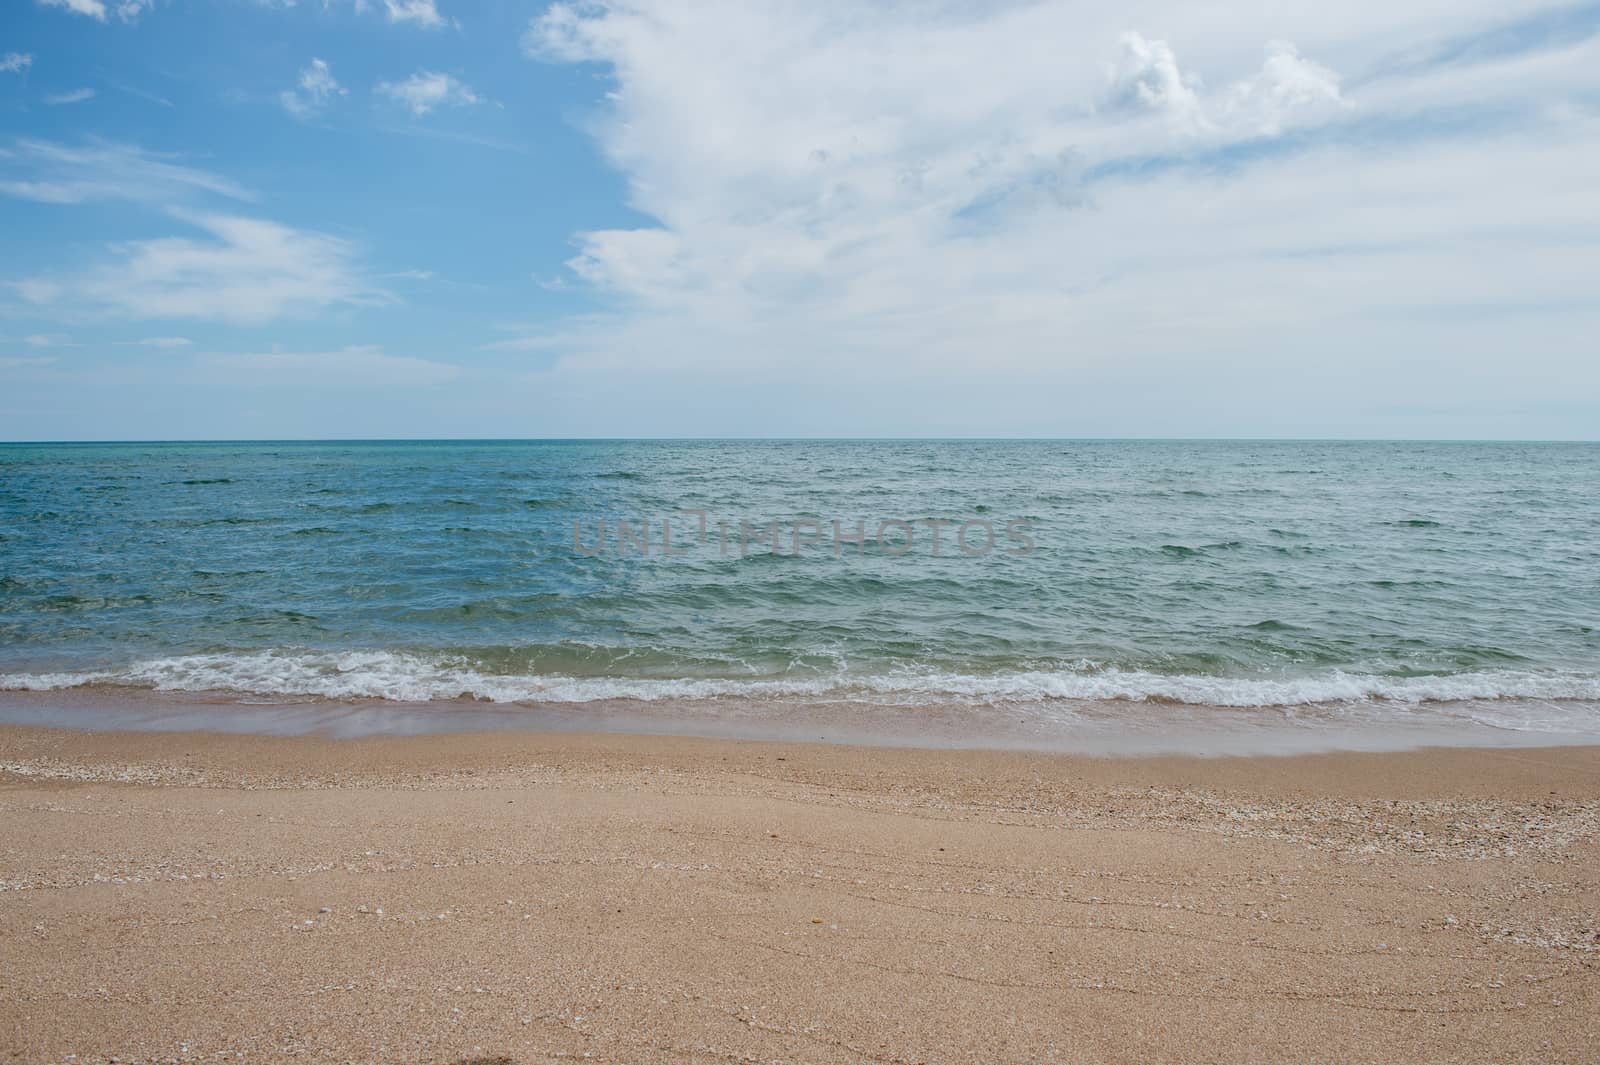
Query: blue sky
point(263, 218)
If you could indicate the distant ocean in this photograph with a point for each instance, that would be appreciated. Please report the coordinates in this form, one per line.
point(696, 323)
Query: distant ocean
point(1091, 586)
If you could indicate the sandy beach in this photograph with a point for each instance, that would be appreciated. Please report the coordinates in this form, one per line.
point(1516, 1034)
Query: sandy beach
point(524, 897)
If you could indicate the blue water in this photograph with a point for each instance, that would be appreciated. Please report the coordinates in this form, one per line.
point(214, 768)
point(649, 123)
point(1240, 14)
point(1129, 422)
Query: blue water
point(1388, 577)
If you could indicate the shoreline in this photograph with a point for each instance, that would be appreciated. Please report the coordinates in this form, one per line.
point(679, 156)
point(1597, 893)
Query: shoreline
point(1094, 728)
point(252, 761)
point(520, 895)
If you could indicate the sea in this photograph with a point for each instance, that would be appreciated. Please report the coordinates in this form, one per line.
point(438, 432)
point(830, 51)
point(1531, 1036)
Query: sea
point(1105, 596)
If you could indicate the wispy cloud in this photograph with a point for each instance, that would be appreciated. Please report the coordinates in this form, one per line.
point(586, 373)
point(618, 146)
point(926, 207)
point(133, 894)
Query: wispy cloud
point(94, 9)
point(364, 367)
point(15, 62)
point(313, 92)
point(25, 362)
point(51, 172)
point(143, 94)
point(126, 10)
point(76, 96)
point(427, 90)
point(1046, 193)
point(419, 12)
point(1537, 29)
point(243, 270)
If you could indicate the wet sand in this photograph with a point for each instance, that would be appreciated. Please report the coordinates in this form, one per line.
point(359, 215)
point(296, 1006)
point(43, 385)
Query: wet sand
point(528, 896)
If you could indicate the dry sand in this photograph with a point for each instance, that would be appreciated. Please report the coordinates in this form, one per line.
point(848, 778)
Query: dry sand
point(522, 897)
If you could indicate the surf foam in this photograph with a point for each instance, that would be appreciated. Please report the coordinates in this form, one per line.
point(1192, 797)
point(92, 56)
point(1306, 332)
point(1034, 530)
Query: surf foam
point(413, 677)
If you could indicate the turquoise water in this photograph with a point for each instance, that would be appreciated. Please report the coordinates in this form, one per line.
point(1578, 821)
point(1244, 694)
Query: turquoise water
point(1385, 576)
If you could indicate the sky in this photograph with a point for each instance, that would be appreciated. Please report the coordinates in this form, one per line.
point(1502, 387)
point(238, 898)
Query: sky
point(446, 218)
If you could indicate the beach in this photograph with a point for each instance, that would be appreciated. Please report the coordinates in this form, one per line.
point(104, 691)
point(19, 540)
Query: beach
point(532, 896)
point(787, 533)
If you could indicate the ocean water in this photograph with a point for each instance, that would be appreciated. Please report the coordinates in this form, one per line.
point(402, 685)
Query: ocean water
point(1132, 585)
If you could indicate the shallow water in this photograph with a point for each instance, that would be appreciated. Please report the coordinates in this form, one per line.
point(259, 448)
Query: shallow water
point(1378, 584)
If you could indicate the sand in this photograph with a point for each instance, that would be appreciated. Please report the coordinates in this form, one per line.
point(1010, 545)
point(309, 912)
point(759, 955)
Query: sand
point(526, 897)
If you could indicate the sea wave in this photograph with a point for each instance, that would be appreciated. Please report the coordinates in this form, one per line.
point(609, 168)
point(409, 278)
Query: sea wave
point(416, 677)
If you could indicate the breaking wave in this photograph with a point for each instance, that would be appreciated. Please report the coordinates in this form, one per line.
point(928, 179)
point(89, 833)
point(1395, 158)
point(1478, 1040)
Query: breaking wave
point(420, 677)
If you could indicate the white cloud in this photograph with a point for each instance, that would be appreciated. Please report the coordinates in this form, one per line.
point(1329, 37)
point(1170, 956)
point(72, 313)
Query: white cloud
point(126, 10)
point(1147, 78)
point(164, 342)
point(1288, 90)
point(76, 96)
point(793, 152)
point(1288, 87)
point(1031, 208)
point(358, 367)
point(25, 362)
point(245, 270)
point(36, 290)
point(421, 12)
point(15, 62)
point(94, 9)
point(426, 90)
point(50, 172)
point(315, 89)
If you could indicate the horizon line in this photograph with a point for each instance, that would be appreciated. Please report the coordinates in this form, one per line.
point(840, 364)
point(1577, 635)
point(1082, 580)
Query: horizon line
point(806, 439)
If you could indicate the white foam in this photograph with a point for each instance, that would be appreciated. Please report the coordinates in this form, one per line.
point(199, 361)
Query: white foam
point(410, 677)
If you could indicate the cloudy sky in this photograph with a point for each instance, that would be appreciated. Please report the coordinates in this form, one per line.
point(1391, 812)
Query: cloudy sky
point(357, 218)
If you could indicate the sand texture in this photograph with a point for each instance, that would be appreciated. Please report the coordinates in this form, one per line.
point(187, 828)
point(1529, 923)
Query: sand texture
point(529, 897)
